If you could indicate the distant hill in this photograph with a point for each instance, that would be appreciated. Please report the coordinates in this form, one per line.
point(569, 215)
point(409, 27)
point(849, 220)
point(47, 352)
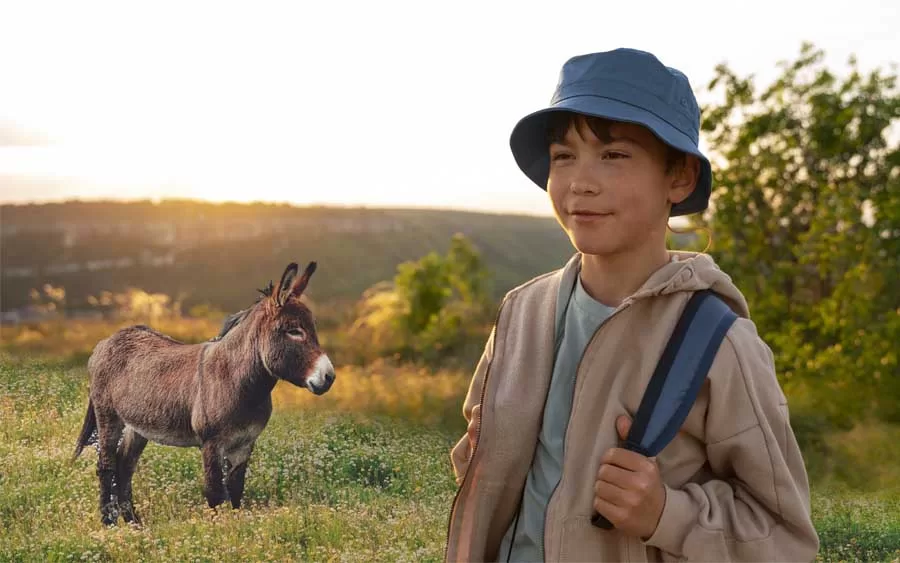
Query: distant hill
point(220, 253)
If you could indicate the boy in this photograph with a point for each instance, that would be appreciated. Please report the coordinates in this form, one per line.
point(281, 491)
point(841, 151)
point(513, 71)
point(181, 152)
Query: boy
point(571, 353)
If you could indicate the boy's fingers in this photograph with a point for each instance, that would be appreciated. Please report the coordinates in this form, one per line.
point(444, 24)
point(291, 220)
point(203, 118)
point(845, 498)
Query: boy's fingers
point(615, 475)
point(627, 460)
point(613, 494)
point(613, 513)
point(623, 425)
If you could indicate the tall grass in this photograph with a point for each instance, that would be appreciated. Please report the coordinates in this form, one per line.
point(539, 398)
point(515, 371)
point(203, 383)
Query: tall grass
point(321, 486)
point(359, 474)
point(415, 394)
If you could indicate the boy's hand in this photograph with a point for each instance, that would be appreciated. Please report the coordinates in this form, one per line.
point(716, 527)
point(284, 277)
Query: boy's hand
point(471, 435)
point(629, 490)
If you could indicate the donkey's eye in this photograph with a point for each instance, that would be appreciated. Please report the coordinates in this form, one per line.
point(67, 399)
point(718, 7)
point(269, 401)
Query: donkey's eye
point(297, 333)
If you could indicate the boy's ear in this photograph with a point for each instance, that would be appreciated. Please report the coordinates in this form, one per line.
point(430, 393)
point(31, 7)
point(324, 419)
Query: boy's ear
point(684, 179)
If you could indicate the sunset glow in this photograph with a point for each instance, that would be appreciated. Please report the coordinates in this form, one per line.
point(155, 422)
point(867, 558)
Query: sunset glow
point(349, 104)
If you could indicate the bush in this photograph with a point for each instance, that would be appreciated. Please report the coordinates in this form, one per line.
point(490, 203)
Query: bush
point(434, 310)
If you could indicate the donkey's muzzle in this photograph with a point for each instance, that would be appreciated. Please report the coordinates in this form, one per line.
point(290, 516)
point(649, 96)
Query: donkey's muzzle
point(321, 376)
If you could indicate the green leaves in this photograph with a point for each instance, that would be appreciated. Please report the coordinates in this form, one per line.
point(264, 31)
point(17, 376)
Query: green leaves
point(805, 216)
point(433, 310)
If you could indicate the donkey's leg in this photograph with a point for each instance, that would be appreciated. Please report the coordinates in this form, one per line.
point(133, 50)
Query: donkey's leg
point(236, 484)
point(109, 430)
point(235, 479)
point(130, 450)
point(214, 488)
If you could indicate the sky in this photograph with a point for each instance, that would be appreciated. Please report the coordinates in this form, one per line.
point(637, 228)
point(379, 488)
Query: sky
point(348, 103)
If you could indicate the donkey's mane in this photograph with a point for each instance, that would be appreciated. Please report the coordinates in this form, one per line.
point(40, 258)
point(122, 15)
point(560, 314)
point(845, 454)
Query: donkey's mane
point(266, 291)
point(233, 320)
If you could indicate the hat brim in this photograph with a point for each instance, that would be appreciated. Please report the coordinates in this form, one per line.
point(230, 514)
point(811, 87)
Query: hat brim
point(528, 142)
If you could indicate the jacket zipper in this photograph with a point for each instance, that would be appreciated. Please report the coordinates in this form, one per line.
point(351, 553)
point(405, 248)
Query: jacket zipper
point(512, 539)
point(484, 383)
point(571, 413)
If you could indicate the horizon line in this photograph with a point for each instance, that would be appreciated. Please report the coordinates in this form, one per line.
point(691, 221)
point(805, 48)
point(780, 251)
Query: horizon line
point(272, 203)
point(321, 205)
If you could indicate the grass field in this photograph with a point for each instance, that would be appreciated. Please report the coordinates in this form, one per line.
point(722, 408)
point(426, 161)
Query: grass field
point(322, 486)
point(360, 474)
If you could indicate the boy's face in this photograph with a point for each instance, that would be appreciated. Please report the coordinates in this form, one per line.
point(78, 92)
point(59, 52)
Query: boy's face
point(613, 195)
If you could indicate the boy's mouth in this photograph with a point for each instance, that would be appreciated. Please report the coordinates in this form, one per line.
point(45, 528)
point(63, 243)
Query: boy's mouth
point(585, 215)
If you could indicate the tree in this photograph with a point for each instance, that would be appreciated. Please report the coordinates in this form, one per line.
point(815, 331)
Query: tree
point(805, 216)
point(432, 310)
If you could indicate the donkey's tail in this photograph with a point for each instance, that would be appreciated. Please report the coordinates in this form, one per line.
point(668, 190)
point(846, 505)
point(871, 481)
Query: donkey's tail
point(87, 430)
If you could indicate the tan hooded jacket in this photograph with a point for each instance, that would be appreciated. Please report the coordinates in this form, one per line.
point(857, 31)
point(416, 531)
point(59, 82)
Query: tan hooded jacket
point(736, 485)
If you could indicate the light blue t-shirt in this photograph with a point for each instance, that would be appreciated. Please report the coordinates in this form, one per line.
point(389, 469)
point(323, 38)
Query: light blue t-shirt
point(583, 317)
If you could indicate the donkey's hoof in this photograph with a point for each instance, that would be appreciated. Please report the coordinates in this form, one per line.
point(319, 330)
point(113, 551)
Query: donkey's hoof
point(109, 514)
point(136, 524)
point(214, 502)
point(129, 515)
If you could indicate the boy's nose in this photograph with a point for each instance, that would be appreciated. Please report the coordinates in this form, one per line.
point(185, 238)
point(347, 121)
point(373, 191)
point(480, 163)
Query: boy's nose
point(584, 187)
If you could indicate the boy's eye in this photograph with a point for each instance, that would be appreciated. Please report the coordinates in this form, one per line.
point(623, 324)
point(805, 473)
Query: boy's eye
point(614, 155)
point(560, 156)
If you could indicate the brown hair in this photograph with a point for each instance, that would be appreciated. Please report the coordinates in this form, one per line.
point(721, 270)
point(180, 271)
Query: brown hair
point(558, 125)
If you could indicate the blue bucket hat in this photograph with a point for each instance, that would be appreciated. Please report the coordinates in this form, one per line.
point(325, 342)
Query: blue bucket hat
point(621, 85)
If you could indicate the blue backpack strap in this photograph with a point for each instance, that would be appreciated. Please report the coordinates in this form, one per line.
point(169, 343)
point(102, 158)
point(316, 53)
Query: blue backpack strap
point(680, 373)
point(678, 377)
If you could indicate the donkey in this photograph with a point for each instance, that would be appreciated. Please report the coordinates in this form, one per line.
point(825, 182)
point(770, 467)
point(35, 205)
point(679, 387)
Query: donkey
point(146, 386)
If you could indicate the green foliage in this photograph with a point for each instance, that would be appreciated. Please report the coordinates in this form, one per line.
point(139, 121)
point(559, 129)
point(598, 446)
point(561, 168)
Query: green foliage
point(423, 288)
point(322, 485)
point(806, 218)
point(433, 309)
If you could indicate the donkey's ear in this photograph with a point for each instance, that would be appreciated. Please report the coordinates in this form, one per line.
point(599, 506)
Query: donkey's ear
point(300, 283)
point(287, 279)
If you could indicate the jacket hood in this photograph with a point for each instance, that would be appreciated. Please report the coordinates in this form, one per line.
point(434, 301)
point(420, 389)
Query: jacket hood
point(686, 271)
